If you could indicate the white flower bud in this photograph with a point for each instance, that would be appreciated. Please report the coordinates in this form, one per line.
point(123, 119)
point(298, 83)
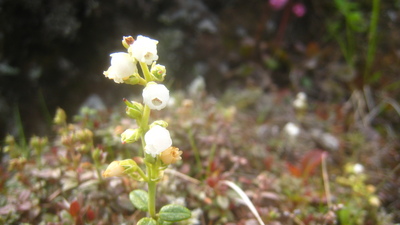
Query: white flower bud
point(155, 96)
point(157, 140)
point(122, 67)
point(144, 49)
point(114, 170)
point(130, 135)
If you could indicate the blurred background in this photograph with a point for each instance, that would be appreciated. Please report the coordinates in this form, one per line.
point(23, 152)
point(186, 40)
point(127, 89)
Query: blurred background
point(254, 57)
point(53, 53)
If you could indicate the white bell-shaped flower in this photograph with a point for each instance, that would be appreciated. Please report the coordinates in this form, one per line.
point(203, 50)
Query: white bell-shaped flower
point(155, 96)
point(122, 67)
point(144, 49)
point(157, 140)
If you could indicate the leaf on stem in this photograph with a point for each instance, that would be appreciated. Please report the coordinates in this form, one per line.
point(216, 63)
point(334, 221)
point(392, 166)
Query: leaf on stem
point(139, 199)
point(146, 221)
point(174, 213)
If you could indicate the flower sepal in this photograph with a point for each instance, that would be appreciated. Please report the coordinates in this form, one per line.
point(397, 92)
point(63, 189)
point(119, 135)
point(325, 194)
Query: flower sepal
point(131, 135)
point(114, 170)
point(127, 41)
point(135, 79)
point(161, 123)
point(134, 110)
point(149, 159)
point(158, 72)
point(133, 170)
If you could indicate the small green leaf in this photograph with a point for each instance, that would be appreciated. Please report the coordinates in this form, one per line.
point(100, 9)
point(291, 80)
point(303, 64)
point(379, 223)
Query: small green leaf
point(162, 222)
point(139, 199)
point(174, 213)
point(146, 221)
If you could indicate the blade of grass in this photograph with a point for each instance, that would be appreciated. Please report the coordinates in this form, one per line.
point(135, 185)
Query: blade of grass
point(372, 38)
point(195, 150)
point(44, 109)
point(325, 178)
point(245, 198)
point(211, 158)
point(21, 132)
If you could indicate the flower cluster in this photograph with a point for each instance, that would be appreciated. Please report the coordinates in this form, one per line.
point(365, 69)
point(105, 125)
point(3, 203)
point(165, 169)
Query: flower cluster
point(156, 139)
point(123, 69)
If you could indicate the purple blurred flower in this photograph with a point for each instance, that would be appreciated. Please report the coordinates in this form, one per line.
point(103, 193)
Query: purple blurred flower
point(277, 4)
point(299, 9)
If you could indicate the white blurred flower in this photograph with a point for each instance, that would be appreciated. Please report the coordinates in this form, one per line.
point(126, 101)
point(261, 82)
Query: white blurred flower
point(122, 67)
point(301, 101)
point(157, 140)
point(144, 49)
point(155, 96)
point(327, 140)
point(358, 168)
point(195, 219)
point(330, 141)
point(292, 129)
point(197, 86)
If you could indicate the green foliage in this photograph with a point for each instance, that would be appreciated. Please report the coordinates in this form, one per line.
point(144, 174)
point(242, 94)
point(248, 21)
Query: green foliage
point(139, 199)
point(353, 22)
point(147, 221)
point(174, 213)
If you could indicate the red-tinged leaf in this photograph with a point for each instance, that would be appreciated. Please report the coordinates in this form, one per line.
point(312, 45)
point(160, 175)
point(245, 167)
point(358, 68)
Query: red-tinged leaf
point(268, 161)
point(294, 170)
point(90, 215)
point(212, 181)
point(311, 161)
point(74, 208)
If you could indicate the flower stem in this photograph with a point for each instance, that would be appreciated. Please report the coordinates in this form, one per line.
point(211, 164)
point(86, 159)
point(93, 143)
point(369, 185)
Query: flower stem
point(141, 173)
point(146, 72)
point(144, 124)
point(152, 172)
point(152, 198)
point(150, 168)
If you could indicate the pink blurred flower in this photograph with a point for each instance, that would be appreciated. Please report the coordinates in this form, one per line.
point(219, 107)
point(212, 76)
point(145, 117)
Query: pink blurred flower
point(299, 9)
point(277, 4)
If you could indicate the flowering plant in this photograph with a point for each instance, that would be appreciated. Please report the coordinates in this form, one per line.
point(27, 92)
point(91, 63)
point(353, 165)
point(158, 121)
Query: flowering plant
point(156, 140)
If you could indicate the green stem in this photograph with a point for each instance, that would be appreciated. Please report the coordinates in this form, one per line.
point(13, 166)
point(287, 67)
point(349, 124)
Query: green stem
point(195, 150)
point(372, 38)
point(97, 165)
point(349, 46)
point(152, 198)
point(141, 173)
point(150, 168)
point(146, 71)
point(144, 125)
point(152, 172)
point(39, 157)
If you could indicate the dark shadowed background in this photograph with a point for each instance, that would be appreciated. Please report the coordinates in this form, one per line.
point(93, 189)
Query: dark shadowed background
point(53, 53)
